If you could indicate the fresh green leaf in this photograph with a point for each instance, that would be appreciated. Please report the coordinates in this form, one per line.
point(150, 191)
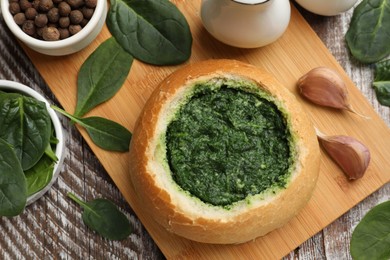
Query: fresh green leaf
point(382, 91)
point(368, 36)
point(382, 82)
point(39, 175)
point(371, 237)
point(50, 152)
point(103, 216)
point(155, 32)
point(13, 188)
point(101, 75)
point(25, 124)
point(105, 133)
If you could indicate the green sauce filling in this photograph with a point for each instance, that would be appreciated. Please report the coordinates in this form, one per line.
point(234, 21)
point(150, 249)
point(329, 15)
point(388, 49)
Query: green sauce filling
point(228, 141)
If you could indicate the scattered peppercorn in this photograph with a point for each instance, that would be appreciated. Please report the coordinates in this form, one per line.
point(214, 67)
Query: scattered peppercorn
point(52, 20)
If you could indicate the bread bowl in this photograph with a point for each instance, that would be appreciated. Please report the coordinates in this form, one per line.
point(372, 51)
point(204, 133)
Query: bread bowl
point(170, 150)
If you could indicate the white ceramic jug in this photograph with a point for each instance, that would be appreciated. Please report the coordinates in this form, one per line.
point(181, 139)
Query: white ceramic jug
point(245, 23)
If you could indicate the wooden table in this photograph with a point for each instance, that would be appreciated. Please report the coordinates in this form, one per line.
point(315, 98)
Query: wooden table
point(52, 227)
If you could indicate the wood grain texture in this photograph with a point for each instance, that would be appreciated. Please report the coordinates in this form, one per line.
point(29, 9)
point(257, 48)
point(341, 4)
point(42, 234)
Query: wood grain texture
point(63, 236)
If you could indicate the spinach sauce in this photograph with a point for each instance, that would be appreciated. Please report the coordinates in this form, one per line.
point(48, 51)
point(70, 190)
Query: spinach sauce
point(225, 143)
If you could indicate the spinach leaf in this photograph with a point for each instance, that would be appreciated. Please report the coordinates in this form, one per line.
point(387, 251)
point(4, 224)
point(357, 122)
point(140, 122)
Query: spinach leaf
point(368, 36)
point(39, 175)
point(49, 151)
point(13, 188)
point(101, 75)
point(155, 32)
point(105, 133)
point(382, 82)
point(371, 237)
point(25, 124)
point(103, 216)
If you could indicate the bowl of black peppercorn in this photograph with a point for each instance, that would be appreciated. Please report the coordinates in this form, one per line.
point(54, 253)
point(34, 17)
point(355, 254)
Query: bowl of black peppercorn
point(55, 27)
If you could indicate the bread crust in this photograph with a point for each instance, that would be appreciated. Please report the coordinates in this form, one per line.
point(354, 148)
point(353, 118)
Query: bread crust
point(180, 213)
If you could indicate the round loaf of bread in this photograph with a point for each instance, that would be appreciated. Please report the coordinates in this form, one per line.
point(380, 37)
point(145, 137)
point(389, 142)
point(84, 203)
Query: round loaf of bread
point(223, 153)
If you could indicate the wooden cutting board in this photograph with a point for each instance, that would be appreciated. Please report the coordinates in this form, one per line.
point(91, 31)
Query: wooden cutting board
point(291, 56)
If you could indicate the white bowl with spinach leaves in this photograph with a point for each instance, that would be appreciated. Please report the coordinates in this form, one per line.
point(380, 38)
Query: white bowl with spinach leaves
point(31, 147)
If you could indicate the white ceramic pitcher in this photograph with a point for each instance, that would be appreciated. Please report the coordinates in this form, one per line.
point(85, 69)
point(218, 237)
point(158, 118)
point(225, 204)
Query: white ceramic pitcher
point(246, 23)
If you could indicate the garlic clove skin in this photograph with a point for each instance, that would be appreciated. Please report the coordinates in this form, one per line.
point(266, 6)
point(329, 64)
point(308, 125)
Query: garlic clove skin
point(324, 86)
point(351, 155)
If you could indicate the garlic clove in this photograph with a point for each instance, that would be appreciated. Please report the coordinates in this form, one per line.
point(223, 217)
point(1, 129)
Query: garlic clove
point(324, 86)
point(351, 155)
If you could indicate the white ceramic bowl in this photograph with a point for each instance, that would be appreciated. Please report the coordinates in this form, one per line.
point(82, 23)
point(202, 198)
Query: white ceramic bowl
point(61, 47)
point(11, 86)
point(327, 7)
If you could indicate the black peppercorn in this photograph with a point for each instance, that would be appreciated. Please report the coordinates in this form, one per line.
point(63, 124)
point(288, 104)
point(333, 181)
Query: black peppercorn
point(39, 32)
point(64, 22)
point(45, 5)
point(24, 4)
point(64, 33)
point(19, 18)
point(75, 3)
point(41, 20)
point(14, 8)
point(87, 12)
point(53, 15)
point(29, 27)
point(74, 28)
point(52, 19)
point(75, 16)
point(64, 8)
point(35, 4)
point(91, 3)
point(83, 22)
point(31, 13)
point(50, 34)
